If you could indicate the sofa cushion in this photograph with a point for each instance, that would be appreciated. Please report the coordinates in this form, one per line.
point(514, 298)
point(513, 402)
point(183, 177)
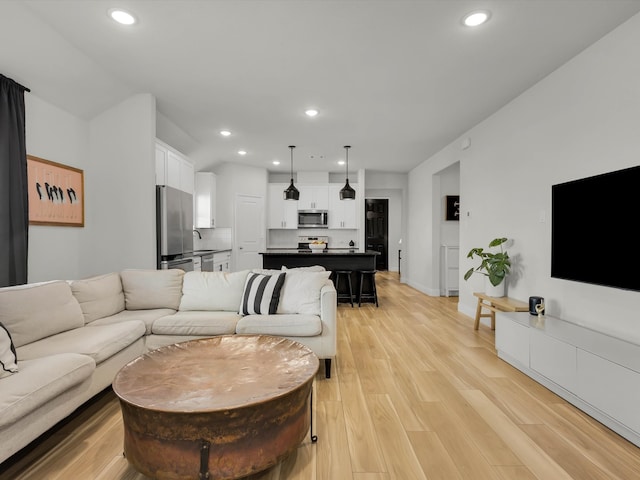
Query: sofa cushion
point(281, 325)
point(212, 290)
point(312, 268)
point(261, 293)
point(96, 341)
point(100, 296)
point(301, 291)
point(197, 323)
point(145, 316)
point(40, 381)
point(147, 289)
point(8, 359)
point(38, 310)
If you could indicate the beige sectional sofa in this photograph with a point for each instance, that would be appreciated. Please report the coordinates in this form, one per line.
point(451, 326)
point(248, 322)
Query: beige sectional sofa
point(72, 337)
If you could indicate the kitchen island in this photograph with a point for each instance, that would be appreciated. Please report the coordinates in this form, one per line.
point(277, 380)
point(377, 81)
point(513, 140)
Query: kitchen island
point(331, 259)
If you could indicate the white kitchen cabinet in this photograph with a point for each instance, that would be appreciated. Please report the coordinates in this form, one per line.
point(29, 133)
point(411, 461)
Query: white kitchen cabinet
point(173, 168)
point(222, 261)
point(205, 200)
point(187, 175)
point(161, 164)
point(342, 213)
point(283, 214)
point(313, 197)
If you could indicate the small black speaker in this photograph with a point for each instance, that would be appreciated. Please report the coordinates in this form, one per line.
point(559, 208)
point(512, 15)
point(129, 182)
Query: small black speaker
point(533, 301)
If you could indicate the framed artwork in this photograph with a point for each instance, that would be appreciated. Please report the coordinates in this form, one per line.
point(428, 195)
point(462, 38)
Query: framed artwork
point(56, 193)
point(453, 207)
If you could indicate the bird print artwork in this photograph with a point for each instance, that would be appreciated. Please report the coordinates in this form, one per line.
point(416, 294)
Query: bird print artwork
point(55, 193)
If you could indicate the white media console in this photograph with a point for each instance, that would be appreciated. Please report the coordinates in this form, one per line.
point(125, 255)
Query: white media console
point(597, 373)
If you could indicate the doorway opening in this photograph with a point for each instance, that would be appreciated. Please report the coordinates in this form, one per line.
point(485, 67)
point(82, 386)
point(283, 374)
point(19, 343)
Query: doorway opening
point(377, 229)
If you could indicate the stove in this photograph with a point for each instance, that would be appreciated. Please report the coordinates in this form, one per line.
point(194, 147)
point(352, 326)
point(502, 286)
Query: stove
point(303, 242)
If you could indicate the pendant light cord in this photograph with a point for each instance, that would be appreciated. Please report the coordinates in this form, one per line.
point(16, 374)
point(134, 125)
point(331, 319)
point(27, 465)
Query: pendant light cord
point(347, 147)
point(291, 147)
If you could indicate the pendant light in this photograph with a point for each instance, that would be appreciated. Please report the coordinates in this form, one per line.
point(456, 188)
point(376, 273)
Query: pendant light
point(291, 193)
point(347, 193)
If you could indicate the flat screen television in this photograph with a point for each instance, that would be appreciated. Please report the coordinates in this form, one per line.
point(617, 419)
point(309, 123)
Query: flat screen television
point(594, 225)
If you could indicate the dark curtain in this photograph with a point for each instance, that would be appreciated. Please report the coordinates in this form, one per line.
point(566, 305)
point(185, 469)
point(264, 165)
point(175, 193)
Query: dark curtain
point(14, 204)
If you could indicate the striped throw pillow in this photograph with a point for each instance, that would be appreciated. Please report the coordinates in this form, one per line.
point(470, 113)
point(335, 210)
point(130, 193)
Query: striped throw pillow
point(261, 294)
point(8, 359)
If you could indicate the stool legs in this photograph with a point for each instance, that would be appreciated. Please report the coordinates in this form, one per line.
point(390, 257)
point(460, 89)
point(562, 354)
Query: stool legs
point(374, 292)
point(340, 296)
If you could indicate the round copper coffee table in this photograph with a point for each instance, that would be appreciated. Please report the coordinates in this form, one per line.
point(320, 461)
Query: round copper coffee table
point(221, 408)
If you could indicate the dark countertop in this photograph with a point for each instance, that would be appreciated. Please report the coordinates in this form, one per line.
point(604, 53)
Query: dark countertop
point(205, 252)
point(327, 252)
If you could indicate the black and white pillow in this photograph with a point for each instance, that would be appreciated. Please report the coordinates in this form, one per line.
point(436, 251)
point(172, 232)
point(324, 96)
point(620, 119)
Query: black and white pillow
point(8, 358)
point(261, 294)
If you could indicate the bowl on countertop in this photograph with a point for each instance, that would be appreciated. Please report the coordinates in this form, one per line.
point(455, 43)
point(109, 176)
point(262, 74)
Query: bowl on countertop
point(317, 247)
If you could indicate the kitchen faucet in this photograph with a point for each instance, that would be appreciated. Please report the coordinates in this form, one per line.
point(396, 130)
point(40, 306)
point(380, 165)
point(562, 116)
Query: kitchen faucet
point(199, 236)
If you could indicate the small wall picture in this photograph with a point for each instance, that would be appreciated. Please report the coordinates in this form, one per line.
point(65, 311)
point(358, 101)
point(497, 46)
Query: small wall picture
point(56, 193)
point(453, 207)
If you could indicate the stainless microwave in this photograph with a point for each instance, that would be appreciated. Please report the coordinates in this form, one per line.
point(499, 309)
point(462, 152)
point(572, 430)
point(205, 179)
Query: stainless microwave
point(312, 219)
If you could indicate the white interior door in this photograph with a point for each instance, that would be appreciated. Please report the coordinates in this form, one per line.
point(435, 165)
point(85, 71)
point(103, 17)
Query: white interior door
point(249, 228)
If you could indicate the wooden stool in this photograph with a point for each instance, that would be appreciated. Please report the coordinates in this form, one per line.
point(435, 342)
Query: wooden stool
point(373, 293)
point(344, 296)
point(496, 304)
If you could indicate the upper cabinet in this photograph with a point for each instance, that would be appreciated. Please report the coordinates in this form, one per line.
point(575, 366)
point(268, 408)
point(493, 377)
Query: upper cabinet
point(313, 197)
point(342, 213)
point(173, 168)
point(205, 200)
point(282, 213)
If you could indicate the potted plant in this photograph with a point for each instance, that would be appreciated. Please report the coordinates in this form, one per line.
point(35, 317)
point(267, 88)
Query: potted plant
point(494, 265)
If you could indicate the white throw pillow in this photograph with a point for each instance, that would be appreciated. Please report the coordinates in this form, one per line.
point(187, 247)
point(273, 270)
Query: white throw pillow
point(212, 291)
point(301, 292)
point(261, 294)
point(8, 358)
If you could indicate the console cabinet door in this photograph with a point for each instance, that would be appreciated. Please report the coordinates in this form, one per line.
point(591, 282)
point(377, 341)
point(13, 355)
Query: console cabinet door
point(611, 388)
point(553, 359)
point(512, 339)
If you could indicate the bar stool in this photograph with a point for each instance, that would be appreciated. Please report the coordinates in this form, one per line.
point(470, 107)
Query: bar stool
point(343, 296)
point(373, 293)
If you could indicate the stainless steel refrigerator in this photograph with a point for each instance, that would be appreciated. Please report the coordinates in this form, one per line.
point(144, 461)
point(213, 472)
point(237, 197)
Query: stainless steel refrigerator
point(174, 224)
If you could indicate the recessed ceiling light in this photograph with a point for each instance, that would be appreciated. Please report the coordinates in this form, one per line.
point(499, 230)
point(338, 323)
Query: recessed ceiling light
point(478, 17)
point(242, 152)
point(340, 162)
point(122, 17)
point(311, 112)
point(225, 133)
point(276, 162)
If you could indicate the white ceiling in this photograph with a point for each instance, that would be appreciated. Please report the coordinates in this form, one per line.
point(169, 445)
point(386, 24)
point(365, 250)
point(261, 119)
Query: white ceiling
point(397, 80)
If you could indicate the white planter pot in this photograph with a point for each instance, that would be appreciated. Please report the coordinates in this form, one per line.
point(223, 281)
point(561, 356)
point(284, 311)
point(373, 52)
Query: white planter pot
point(489, 289)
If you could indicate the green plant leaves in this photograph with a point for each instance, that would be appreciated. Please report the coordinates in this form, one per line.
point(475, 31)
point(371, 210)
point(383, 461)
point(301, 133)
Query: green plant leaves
point(494, 265)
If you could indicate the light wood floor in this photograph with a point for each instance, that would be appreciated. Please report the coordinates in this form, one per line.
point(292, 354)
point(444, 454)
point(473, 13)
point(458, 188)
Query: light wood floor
point(416, 394)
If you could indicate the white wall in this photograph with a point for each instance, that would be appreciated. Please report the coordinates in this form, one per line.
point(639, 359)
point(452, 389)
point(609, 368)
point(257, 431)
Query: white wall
point(120, 189)
point(424, 216)
point(233, 179)
point(579, 121)
point(116, 152)
point(53, 134)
